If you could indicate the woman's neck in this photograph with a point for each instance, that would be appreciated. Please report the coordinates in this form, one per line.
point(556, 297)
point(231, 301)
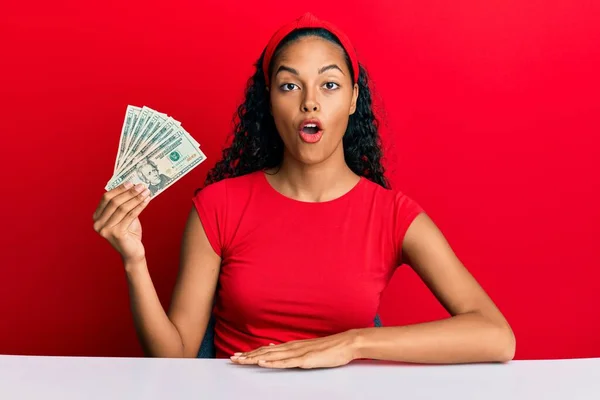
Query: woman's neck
point(324, 181)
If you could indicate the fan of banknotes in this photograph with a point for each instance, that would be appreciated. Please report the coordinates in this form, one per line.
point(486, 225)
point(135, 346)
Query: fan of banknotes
point(154, 150)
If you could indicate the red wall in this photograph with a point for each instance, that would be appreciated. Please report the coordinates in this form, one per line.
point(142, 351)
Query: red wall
point(493, 124)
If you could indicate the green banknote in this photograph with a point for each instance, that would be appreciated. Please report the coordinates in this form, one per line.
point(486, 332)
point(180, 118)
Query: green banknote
point(154, 150)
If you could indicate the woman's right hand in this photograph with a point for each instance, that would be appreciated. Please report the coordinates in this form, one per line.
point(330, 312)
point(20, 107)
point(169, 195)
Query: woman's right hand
point(116, 219)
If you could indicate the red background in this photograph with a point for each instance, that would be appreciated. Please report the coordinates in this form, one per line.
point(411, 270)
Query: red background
point(492, 126)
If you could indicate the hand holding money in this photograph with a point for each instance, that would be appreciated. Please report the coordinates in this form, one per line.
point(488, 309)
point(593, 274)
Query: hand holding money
point(154, 150)
point(116, 219)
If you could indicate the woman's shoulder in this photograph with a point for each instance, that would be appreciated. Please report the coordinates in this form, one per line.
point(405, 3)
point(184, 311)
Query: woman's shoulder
point(392, 193)
point(394, 206)
point(394, 198)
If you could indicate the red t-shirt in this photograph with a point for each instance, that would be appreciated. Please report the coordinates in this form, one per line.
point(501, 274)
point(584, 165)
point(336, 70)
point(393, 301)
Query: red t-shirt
point(298, 270)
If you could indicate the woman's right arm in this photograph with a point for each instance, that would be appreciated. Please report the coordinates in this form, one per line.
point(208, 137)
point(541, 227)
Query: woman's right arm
point(180, 332)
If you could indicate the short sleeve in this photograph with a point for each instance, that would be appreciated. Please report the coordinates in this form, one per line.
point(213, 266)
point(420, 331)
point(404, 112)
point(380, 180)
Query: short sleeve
point(406, 210)
point(210, 204)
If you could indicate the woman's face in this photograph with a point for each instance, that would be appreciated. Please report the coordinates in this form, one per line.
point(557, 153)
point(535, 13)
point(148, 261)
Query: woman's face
point(311, 84)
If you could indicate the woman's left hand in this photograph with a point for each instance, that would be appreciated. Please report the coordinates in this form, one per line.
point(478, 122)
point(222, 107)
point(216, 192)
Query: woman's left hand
point(330, 351)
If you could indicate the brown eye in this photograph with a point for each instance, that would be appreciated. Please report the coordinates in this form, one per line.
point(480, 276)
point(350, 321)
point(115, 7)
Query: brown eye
point(331, 85)
point(288, 86)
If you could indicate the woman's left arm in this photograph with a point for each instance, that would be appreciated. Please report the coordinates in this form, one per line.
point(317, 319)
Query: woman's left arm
point(476, 331)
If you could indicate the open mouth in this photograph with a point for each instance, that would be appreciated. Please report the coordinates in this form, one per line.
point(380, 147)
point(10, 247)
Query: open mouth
point(310, 131)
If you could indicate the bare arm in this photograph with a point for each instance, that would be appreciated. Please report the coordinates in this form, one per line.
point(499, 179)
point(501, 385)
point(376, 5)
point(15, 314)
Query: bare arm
point(476, 331)
point(180, 332)
point(194, 292)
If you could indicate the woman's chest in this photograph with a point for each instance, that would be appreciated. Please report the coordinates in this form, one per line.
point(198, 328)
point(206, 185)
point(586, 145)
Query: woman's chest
point(329, 269)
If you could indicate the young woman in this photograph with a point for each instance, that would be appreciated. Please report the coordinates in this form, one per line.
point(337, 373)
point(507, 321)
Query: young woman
point(297, 233)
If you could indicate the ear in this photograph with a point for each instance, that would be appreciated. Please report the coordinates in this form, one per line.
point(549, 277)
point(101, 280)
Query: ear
point(354, 99)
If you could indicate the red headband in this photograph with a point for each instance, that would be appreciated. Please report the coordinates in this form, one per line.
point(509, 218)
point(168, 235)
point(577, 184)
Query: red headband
point(308, 21)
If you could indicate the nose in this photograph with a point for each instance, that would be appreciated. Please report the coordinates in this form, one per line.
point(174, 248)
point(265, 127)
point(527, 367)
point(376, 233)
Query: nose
point(310, 103)
point(310, 107)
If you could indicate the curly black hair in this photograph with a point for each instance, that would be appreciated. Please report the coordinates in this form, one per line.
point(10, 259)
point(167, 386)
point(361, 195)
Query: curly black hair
point(256, 144)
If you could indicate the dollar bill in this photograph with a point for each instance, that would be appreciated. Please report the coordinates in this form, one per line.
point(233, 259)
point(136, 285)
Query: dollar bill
point(131, 114)
point(160, 133)
point(136, 116)
point(153, 121)
point(160, 168)
point(136, 129)
point(179, 123)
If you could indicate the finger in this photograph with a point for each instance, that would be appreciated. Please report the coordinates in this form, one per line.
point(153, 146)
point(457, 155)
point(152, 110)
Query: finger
point(124, 209)
point(108, 196)
point(133, 214)
point(296, 362)
point(243, 360)
point(114, 203)
point(275, 352)
point(251, 352)
point(270, 356)
point(284, 346)
point(264, 349)
point(280, 355)
point(112, 199)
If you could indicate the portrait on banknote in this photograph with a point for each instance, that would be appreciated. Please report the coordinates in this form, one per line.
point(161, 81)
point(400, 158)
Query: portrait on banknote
point(149, 173)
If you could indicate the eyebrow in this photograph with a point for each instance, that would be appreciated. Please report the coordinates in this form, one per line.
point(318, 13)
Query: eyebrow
point(321, 70)
point(330, 66)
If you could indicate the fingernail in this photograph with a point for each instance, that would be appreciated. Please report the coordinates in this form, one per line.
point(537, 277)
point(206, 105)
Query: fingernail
point(241, 358)
point(128, 185)
point(146, 192)
point(237, 354)
point(271, 344)
point(139, 187)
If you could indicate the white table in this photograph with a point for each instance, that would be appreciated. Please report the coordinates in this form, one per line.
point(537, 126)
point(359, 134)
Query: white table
point(25, 377)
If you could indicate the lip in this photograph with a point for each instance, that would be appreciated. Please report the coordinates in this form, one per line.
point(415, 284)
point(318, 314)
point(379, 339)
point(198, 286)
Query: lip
point(310, 137)
point(310, 121)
